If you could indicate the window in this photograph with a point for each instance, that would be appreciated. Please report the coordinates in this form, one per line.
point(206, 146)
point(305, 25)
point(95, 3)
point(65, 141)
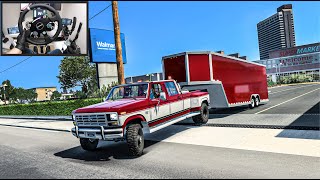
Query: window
point(171, 88)
point(156, 89)
point(129, 91)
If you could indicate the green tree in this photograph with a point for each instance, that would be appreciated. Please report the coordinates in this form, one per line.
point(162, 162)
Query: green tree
point(6, 90)
point(21, 95)
point(77, 71)
point(55, 95)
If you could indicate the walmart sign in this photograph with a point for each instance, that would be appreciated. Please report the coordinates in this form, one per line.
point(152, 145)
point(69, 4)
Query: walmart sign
point(103, 48)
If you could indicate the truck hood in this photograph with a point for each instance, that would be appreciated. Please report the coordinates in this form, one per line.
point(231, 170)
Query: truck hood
point(112, 106)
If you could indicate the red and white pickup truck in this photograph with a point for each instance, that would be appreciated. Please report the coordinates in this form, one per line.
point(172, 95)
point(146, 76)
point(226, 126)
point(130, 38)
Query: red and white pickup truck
point(132, 110)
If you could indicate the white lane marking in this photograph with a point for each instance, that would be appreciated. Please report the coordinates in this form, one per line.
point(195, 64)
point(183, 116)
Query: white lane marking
point(286, 101)
point(291, 89)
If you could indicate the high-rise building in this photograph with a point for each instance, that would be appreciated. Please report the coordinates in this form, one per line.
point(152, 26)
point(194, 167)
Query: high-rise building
point(276, 32)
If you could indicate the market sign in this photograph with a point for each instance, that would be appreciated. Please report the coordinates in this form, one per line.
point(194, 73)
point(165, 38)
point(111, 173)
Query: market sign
point(310, 48)
point(103, 48)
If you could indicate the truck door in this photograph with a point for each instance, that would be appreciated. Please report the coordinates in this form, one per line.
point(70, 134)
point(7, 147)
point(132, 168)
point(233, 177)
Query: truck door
point(175, 98)
point(160, 108)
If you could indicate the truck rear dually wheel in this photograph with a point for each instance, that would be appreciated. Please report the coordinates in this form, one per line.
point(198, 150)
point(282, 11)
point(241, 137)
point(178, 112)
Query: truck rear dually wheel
point(135, 139)
point(257, 102)
point(89, 144)
point(203, 117)
point(252, 103)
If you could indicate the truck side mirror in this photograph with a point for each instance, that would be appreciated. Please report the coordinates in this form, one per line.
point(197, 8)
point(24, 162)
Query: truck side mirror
point(163, 96)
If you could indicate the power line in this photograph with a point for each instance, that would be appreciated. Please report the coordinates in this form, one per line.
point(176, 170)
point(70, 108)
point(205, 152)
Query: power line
point(16, 64)
point(100, 12)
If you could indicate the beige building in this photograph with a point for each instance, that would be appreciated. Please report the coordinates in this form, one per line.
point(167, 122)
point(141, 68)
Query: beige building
point(44, 93)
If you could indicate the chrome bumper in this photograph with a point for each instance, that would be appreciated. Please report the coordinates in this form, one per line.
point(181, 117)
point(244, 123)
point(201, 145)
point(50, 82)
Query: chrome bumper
point(101, 133)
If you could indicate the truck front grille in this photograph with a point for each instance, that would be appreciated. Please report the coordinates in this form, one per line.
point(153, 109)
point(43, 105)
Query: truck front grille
point(92, 120)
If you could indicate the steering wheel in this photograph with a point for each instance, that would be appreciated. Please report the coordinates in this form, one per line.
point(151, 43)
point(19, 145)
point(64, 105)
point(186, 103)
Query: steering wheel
point(40, 25)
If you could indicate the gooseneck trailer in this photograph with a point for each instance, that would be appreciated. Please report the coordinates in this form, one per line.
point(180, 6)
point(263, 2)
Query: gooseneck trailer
point(230, 81)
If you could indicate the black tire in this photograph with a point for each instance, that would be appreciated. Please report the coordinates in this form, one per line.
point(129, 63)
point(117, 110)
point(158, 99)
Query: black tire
point(257, 102)
point(135, 139)
point(89, 144)
point(203, 117)
point(252, 103)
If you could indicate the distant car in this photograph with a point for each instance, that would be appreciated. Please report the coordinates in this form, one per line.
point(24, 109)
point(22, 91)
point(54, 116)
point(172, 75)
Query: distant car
point(132, 110)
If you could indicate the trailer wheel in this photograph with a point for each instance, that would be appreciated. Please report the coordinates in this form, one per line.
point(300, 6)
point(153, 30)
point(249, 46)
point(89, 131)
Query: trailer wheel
point(252, 104)
point(257, 101)
point(135, 139)
point(89, 144)
point(203, 117)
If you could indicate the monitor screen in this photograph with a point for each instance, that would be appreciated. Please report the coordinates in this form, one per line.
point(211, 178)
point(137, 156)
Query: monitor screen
point(13, 30)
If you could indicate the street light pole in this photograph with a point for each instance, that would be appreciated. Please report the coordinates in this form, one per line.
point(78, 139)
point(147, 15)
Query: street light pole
point(276, 66)
point(116, 27)
point(4, 93)
point(280, 73)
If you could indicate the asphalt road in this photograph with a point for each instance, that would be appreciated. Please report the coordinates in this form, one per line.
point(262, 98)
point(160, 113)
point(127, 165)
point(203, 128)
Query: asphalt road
point(307, 98)
point(29, 153)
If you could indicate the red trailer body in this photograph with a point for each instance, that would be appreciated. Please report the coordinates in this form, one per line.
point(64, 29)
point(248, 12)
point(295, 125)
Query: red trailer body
point(230, 81)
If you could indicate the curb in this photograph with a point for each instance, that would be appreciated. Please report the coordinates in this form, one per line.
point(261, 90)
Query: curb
point(29, 127)
point(37, 118)
point(293, 84)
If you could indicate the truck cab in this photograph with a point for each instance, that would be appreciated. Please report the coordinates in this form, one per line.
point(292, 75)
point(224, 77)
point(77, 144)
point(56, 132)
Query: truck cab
point(131, 110)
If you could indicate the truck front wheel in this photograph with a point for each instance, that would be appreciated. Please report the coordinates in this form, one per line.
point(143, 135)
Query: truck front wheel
point(203, 117)
point(89, 144)
point(135, 139)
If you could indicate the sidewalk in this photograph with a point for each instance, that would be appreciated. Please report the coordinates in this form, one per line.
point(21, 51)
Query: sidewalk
point(293, 84)
point(297, 142)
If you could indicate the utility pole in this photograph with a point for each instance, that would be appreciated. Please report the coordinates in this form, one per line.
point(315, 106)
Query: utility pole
point(118, 42)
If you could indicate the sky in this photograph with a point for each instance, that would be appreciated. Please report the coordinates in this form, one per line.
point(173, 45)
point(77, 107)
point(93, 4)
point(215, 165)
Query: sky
point(156, 29)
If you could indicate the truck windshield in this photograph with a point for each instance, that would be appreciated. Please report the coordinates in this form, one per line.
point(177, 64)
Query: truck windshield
point(128, 91)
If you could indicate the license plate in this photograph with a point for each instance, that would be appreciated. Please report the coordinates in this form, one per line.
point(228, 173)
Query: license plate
point(91, 134)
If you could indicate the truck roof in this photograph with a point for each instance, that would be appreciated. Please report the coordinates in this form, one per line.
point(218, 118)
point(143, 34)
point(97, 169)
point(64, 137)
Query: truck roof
point(139, 83)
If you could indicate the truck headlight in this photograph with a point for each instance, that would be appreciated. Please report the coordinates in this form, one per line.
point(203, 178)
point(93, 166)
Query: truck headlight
point(114, 117)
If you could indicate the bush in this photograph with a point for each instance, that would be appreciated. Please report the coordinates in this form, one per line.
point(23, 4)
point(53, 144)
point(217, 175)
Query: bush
point(56, 108)
point(296, 78)
point(271, 83)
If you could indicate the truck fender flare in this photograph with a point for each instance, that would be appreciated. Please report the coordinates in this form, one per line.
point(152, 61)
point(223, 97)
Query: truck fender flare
point(136, 118)
point(133, 118)
point(205, 100)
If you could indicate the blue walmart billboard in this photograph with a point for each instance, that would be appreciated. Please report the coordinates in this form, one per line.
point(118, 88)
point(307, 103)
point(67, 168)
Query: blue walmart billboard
point(103, 49)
